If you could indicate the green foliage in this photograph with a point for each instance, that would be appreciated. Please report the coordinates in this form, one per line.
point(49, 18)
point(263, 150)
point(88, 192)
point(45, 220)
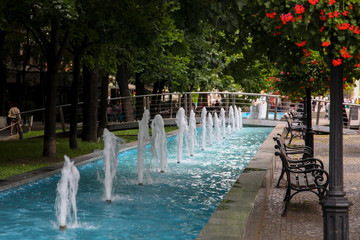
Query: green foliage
point(292, 80)
point(328, 27)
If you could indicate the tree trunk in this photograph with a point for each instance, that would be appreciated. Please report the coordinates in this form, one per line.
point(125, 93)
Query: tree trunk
point(122, 78)
point(140, 90)
point(103, 104)
point(154, 100)
point(26, 58)
point(50, 112)
point(3, 74)
point(75, 88)
point(54, 54)
point(91, 80)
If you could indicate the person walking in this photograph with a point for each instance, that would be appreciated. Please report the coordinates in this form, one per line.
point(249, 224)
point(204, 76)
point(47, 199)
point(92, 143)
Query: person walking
point(15, 117)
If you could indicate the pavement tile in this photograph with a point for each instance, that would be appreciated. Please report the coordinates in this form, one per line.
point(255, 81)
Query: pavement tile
point(304, 216)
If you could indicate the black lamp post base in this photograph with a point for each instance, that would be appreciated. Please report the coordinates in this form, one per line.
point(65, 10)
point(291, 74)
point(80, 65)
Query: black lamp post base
point(336, 217)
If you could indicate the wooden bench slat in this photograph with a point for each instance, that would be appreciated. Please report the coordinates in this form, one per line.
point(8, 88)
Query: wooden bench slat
point(310, 180)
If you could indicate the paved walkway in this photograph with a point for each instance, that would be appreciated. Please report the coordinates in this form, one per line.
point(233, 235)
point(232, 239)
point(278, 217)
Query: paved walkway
point(304, 216)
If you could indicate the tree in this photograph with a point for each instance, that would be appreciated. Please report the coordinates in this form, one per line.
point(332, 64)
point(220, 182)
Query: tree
point(329, 27)
point(50, 24)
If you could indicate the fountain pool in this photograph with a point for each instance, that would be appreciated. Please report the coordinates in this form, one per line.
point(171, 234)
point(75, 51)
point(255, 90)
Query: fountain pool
point(173, 205)
point(271, 115)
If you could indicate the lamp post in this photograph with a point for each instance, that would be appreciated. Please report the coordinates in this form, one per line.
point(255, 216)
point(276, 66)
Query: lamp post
point(335, 206)
point(309, 135)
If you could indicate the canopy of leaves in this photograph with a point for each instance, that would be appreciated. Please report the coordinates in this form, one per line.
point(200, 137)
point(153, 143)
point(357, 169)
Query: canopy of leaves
point(328, 27)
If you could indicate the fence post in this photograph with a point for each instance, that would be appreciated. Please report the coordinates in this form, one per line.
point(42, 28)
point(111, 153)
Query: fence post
point(276, 107)
point(318, 113)
point(61, 114)
point(160, 104)
point(233, 97)
point(190, 103)
point(350, 112)
point(267, 108)
point(171, 106)
point(144, 102)
point(148, 103)
point(227, 103)
point(186, 104)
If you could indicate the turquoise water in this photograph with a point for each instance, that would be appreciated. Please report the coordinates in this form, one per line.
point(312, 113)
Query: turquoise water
point(171, 205)
point(271, 116)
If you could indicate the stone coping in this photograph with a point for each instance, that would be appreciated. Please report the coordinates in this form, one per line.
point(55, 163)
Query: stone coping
point(240, 214)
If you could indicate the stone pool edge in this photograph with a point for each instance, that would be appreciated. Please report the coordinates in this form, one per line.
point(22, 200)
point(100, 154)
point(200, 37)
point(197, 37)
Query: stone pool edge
point(240, 214)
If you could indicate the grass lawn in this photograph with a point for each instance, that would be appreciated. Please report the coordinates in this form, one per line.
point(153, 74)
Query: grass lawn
point(19, 156)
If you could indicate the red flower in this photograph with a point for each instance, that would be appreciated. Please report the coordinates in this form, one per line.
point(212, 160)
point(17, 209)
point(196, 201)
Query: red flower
point(271, 15)
point(301, 44)
point(323, 18)
point(336, 62)
point(311, 79)
point(351, 6)
point(299, 9)
point(331, 15)
point(322, 29)
point(285, 18)
point(356, 30)
point(345, 13)
point(306, 53)
point(331, 2)
point(343, 26)
point(325, 44)
point(336, 14)
point(344, 53)
point(357, 65)
point(313, 2)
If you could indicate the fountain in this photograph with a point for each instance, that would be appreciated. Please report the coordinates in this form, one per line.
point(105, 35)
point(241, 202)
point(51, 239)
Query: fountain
point(223, 121)
point(216, 128)
point(240, 118)
point(143, 139)
point(232, 118)
point(210, 125)
point(237, 123)
point(203, 127)
point(67, 188)
point(159, 142)
point(192, 133)
point(152, 210)
point(182, 125)
point(111, 151)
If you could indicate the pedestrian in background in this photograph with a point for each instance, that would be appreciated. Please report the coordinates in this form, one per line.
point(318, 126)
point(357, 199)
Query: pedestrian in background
point(14, 117)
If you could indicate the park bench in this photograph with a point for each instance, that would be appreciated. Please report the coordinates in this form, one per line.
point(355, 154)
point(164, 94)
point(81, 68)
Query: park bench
point(295, 129)
point(302, 175)
point(297, 153)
